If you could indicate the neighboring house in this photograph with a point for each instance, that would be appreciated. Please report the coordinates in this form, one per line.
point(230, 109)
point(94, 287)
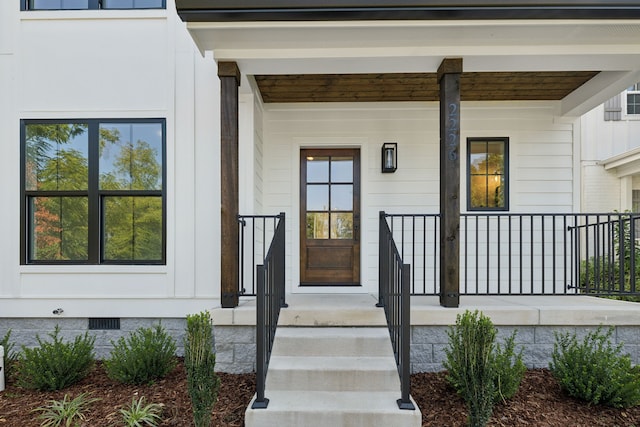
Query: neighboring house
point(125, 130)
point(610, 151)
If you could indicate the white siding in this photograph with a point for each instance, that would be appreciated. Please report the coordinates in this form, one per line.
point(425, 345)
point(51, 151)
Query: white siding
point(114, 64)
point(541, 160)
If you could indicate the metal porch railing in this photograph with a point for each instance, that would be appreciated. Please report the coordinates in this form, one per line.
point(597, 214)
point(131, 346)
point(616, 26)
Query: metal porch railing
point(270, 290)
point(394, 296)
point(256, 234)
point(526, 254)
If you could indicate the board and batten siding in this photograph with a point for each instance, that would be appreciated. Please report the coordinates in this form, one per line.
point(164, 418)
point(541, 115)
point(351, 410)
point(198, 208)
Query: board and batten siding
point(541, 160)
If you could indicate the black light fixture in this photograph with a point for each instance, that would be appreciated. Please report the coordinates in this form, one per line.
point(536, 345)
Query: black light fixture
point(389, 157)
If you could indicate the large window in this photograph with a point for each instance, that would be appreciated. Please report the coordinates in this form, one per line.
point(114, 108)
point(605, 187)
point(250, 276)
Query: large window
point(487, 174)
point(91, 4)
point(633, 99)
point(93, 191)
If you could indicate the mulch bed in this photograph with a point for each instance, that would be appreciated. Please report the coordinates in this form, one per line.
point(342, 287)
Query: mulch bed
point(539, 402)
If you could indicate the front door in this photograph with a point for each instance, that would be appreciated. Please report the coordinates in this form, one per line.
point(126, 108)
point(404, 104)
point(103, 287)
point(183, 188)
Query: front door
point(330, 217)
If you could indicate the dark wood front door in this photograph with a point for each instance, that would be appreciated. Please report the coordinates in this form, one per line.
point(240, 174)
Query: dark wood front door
point(330, 217)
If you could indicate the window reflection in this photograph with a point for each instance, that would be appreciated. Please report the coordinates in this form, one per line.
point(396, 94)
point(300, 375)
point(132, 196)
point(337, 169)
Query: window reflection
point(317, 169)
point(317, 225)
point(487, 174)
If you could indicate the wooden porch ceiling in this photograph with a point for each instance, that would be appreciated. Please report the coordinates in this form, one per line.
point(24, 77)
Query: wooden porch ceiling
point(502, 86)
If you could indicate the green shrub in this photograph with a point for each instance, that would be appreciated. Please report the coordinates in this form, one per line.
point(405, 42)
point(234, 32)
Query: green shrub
point(138, 415)
point(146, 355)
point(64, 412)
point(54, 364)
point(479, 370)
point(10, 356)
point(594, 370)
point(200, 361)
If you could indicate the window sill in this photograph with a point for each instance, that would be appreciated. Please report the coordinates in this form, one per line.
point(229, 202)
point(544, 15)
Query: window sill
point(92, 269)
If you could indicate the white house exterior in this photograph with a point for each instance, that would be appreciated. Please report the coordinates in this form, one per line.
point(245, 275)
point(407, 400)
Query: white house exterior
point(129, 65)
point(610, 141)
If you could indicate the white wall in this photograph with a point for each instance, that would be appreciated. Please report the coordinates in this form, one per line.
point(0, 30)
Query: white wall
point(114, 64)
point(607, 190)
point(541, 160)
point(604, 139)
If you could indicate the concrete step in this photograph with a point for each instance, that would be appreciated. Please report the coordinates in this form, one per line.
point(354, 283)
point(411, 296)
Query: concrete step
point(323, 409)
point(332, 342)
point(336, 373)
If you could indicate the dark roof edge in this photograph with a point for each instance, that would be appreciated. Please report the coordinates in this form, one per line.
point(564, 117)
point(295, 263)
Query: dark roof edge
point(407, 13)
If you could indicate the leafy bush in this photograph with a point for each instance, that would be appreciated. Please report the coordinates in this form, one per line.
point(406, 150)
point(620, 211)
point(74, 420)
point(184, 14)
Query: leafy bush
point(200, 361)
point(481, 371)
point(594, 370)
point(64, 412)
point(146, 355)
point(10, 356)
point(55, 364)
point(138, 415)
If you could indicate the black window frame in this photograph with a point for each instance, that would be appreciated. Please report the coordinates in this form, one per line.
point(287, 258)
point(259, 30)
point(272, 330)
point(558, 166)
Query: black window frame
point(95, 195)
point(92, 5)
point(633, 92)
point(505, 141)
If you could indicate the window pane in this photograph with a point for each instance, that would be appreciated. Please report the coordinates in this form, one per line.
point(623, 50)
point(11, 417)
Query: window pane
point(132, 4)
point(633, 103)
point(58, 4)
point(317, 225)
point(478, 191)
point(341, 225)
point(342, 197)
point(56, 157)
point(341, 169)
point(487, 180)
point(133, 228)
point(317, 197)
point(317, 169)
point(131, 156)
point(58, 228)
point(478, 158)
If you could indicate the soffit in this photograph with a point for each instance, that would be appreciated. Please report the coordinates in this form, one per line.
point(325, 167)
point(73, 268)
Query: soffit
point(418, 86)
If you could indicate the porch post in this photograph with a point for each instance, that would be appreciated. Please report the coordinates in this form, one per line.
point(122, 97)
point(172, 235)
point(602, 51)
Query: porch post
point(229, 75)
point(449, 80)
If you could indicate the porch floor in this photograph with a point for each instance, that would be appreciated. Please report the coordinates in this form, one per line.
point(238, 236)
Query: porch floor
point(360, 310)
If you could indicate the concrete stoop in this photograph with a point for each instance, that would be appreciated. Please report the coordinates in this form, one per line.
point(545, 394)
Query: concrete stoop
point(344, 376)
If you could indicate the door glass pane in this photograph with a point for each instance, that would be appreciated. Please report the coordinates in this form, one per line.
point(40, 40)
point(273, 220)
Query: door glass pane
point(317, 197)
point(342, 169)
point(58, 228)
point(342, 197)
point(133, 228)
point(131, 156)
point(56, 157)
point(317, 169)
point(342, 225)
point(317, 225)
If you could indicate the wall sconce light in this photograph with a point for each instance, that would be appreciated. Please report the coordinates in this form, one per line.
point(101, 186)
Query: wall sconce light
point(389, 157)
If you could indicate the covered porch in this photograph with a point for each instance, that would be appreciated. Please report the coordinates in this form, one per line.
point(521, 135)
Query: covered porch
point(290, 69)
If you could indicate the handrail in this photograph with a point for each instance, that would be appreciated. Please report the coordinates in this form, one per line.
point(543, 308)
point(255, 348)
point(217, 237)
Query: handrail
point(270, 299)
point(394, 295)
